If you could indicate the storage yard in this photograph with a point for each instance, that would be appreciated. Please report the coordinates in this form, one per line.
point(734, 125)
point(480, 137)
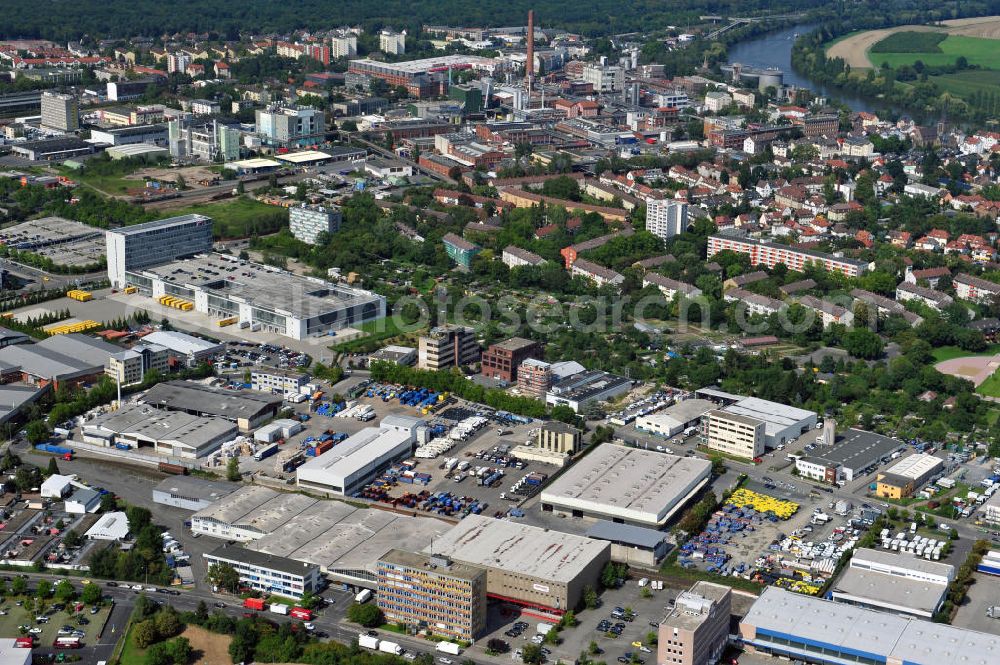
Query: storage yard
point(762, 538)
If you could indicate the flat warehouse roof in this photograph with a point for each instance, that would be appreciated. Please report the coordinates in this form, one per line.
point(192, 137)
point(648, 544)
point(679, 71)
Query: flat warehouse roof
point(262, 510)
point(187, 396)
point(631, 483)
point(343, 539)
point(264, 287)
point(159, 425)
point(850, 628)
point(915, 466)
point(354, 454)
point(304, 157)
point(510, 546)
point(776, 417)
point(857, 449)
point(883, 588)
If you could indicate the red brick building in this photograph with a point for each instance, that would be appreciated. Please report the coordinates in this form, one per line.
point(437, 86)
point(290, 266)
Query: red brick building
point(502, 360)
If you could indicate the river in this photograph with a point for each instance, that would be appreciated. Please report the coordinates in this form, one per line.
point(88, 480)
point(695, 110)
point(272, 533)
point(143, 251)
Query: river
point(774, 49)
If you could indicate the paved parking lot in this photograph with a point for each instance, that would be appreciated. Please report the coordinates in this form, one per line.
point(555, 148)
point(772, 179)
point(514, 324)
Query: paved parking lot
point(983, 594)
point(577, 639)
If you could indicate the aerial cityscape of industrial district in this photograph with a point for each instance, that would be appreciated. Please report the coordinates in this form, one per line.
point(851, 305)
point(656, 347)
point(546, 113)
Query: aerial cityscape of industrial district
point(491, 345)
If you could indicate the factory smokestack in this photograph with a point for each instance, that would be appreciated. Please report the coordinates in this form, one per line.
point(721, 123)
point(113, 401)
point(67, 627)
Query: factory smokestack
point(529, 65)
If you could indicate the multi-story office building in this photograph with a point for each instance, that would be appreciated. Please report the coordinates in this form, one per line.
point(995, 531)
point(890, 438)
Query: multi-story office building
point(771, 254)
point(665, 218)
point(269, 573)
point(131, 366)
point(432, 592)
point(307, 222)
point(61, 112)
point(734, 434)
point(534, 378)
point(696, 629)
point(606, 79)
point(290, 127)
point(448, 346)
point(344, 45)
point(558, 437)
point(279, 381)
point(393, 43)
point(141, 245)
point(501, 360)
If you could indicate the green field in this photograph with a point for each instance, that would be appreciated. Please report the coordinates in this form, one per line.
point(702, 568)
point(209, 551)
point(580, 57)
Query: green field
point(967, 83)
point(990, 387)
point(943, 353)
point(910, 42)
point(238, 218)
point(982, 52)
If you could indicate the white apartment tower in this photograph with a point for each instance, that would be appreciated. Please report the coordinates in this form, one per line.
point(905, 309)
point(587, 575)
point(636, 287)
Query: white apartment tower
point(665, 218)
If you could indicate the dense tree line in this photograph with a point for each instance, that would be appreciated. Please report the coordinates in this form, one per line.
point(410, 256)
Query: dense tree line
point(64, 20)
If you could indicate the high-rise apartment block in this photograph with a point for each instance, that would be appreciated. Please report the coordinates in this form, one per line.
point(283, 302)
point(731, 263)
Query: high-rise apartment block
point(307, 222)
point(448, 346)
point(666, 219)
point(344, 45)
point(432, 592)
point(60, 112)
point(393, 43)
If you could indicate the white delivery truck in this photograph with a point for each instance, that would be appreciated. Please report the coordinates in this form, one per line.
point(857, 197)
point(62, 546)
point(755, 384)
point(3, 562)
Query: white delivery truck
point(363, 596)
point(278, 608)
point(448, 647)
point(367, 641)
point(390, 647)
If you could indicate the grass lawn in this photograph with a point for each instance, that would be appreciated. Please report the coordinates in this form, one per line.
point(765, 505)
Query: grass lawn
point(130, 652)
point(990, 387)
point(109, 184)
point(978, 51)
point(943, 353)
point(238, 218)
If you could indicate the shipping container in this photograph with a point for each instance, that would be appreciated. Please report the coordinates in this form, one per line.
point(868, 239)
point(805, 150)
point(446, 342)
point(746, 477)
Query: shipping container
point(266, 452)
point(368, 641)
point(175, 469)
point(278, 608)
point(254, 603)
